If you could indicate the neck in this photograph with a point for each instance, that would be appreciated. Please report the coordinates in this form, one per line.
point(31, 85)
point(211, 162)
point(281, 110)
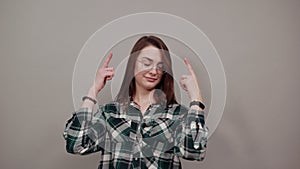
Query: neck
point(142, 96)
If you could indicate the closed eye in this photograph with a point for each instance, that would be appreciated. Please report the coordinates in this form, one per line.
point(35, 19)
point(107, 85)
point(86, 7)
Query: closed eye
point(147, 61)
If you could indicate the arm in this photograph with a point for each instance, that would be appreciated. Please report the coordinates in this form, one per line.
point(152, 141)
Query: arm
point(191, 135)
point(84, 132)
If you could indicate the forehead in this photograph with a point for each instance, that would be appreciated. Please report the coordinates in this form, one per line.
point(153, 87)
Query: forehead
point(151, 52)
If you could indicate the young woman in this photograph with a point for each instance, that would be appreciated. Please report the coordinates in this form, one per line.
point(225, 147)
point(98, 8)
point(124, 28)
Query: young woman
point(144, 127)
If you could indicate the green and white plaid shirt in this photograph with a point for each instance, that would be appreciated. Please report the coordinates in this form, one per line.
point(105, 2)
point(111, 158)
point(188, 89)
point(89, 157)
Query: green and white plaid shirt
point(128, 140)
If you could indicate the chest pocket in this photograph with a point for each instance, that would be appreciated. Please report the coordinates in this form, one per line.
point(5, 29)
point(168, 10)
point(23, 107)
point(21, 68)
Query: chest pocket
point(160, 129)
point(117, 125)
point(119, 129)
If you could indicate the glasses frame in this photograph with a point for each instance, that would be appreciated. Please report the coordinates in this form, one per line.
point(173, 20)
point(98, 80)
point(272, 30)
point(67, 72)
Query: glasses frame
point(151, 66)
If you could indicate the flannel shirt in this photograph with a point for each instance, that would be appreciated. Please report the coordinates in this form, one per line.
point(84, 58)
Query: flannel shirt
point(127, 139)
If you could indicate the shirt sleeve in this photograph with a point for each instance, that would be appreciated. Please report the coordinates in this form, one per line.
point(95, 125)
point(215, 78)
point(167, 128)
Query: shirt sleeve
point(84, 131)
point(191, 135)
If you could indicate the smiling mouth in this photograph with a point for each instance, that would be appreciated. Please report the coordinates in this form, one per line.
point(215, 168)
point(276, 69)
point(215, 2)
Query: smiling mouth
point(149, 79)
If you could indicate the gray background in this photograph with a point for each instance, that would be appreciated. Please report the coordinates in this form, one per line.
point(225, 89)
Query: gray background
point(258, 42)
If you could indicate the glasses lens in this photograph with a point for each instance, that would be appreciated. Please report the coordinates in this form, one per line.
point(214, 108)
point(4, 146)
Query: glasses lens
point(147, 65)
point(160, 67)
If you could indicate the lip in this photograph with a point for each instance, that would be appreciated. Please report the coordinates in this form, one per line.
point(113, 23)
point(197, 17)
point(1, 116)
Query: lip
point(149, 79)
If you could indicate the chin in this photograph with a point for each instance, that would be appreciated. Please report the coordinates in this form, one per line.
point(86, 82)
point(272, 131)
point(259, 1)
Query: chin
point(150, 86)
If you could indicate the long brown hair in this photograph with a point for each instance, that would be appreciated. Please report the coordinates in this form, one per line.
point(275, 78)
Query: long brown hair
point(166, 85)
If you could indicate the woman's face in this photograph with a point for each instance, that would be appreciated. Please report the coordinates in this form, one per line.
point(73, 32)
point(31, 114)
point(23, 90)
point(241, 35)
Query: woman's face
point(149, 68)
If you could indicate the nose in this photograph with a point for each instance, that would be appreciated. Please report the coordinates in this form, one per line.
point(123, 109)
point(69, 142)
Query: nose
point(153, 70)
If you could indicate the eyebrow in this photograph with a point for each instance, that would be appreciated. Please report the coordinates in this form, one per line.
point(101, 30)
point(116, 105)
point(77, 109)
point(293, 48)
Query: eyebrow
point(151, 59)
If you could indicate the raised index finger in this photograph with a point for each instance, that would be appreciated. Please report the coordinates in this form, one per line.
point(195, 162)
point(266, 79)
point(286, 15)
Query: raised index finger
point(107, 59)
point(189, 66)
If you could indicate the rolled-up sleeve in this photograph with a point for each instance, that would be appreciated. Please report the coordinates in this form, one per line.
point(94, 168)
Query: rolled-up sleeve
point(191, 135)
point(84, 131)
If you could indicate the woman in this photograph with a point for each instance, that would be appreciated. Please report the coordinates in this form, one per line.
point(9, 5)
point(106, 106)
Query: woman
point(144, 127)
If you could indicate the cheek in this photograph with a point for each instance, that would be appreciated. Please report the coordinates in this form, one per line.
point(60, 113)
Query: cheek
point(160, 77)
point(137, 70)
point(138, 74)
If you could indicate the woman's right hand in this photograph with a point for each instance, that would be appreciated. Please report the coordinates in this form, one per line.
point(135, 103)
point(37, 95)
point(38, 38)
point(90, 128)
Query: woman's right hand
point(103, 74)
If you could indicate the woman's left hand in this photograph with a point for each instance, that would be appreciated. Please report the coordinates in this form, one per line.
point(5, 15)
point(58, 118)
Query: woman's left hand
point(190, 84)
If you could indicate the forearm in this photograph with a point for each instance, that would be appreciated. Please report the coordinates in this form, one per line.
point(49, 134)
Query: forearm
point(84, 131)
point(88, 103)
point(192, 143)
point(197, 98)
point(76, 129)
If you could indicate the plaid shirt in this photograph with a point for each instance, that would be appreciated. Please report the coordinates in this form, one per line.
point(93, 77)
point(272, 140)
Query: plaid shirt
point(128, 139)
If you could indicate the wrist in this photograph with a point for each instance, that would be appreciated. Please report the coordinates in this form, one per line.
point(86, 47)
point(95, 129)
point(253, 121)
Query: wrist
point(197, 98)
point(90, 99)
point(197, 103)
point(92, 92)
point(196, 107)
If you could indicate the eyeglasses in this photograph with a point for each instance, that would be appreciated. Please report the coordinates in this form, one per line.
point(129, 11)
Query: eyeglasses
point(148, 65)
